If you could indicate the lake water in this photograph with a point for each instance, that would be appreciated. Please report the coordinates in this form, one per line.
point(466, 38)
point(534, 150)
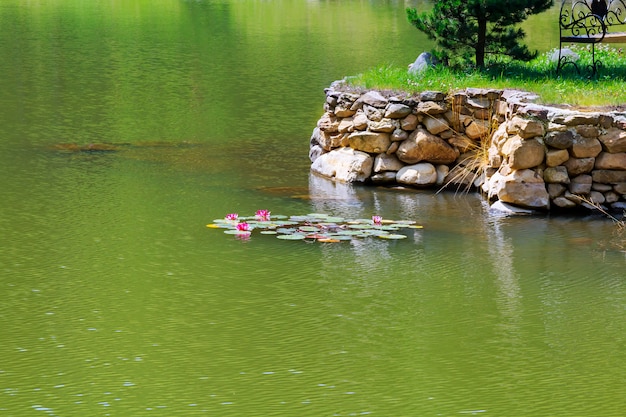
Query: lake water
point(118, 301)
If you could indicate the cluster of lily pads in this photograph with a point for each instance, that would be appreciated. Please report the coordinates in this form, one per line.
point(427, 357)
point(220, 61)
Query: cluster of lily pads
point(313, 227)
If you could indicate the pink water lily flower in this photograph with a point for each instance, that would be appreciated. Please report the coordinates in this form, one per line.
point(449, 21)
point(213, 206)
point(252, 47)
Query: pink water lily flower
point(232, 216)
point(263, 215)
point(243, 227)
point(377, 220)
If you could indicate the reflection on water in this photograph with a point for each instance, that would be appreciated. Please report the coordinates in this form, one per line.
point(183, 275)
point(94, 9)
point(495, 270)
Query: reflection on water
point(118, 301)
point(494, 301)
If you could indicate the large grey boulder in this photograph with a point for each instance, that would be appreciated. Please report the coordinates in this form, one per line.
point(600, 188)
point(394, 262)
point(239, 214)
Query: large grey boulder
point(525, 128)
point(583, 147)
point(522, 153)
point(523, 188)
point(372, 142)
point(614, 140)
point(424, 146)
point(384, 162)
point(611, 161)
point(397, 111)
point(344, 164)
point(374, 99)
point(418, 174)
point(424, 61)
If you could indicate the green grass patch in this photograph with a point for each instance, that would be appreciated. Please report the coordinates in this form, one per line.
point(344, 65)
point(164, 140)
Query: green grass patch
point(538, 76)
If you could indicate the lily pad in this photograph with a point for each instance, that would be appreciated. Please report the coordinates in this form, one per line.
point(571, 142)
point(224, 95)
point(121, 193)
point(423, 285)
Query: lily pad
point(286, 230)
point(285, 223)
point(316, 226)
point(236, 232)
point(392, 237)
point(389, 227)
point(222, 221)
point(270, 226)
point(295, 236)
point(377, 232)
point(360, 226)
point(309, 229)
point(316, 236)
point(349, 232)
point(340, 237)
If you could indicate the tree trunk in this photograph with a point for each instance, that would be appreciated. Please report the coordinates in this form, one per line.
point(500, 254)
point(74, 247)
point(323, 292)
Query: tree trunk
point(481, 39)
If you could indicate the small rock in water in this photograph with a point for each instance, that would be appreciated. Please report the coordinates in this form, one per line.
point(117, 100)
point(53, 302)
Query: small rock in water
point(509, 208)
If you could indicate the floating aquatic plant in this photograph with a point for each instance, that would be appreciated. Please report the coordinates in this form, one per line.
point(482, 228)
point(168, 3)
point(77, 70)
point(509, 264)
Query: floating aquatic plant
point(243, 227)
point(263, 215)
point(313, 227)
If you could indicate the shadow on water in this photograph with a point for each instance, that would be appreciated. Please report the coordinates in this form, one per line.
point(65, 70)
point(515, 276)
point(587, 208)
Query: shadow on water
point(463, 215)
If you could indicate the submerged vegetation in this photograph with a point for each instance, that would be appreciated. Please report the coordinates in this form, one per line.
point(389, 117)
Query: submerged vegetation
point(537, 76)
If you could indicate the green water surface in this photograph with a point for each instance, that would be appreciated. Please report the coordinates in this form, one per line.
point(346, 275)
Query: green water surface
point(118, 301)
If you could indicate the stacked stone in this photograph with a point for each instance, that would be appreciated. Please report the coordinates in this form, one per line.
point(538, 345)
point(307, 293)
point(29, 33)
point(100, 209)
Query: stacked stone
point(413, 141)
point(560, 158)
point(516, 152)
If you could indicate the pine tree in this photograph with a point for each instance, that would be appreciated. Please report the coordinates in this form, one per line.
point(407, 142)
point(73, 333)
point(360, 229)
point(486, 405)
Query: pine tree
point(466, 29)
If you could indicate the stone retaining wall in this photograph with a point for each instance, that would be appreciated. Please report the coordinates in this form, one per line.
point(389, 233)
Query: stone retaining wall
point(499, 142)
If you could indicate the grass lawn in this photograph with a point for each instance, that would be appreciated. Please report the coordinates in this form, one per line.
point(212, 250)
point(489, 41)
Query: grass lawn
point(537, 76)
